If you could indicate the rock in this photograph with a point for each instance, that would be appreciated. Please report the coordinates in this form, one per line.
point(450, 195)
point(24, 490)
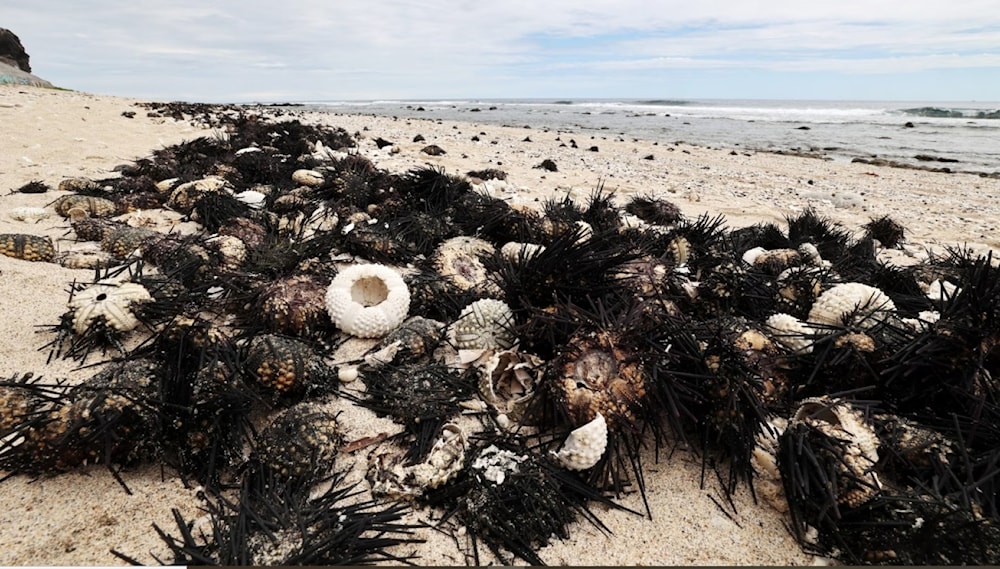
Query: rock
point(433, 150)
point(548, 165)
point(14, 67)
point(12, 52)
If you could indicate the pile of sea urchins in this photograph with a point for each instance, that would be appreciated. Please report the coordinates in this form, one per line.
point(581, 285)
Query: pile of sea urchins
point(526, 355)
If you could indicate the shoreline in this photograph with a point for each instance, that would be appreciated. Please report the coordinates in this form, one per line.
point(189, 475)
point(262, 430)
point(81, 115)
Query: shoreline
point(58, 135)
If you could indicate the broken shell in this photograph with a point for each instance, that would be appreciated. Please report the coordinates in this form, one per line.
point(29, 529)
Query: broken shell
point(496, 463)
point(485, 324)
point(368, 301)
point(851, 304)
point(585, 445)
point(836, 418)
point(507, 381)
point(390, 476)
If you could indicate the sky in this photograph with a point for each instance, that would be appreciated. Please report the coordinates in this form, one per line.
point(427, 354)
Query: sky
point(334, 50)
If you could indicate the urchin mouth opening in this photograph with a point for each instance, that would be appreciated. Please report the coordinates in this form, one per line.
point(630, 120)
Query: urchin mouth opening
point(101, 297)
point(369, 291)
point(595, 368)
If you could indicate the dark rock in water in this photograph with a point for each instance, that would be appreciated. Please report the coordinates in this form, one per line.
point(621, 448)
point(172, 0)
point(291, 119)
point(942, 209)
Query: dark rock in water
point(526, 139)
point(929, 158)
point(648, 157)
point(548, 165)
point(909, 124)
point(418, 138)
point(12, 52)
point(803, 128)
point(592, 149)
point(433, 150)
point(382, 143)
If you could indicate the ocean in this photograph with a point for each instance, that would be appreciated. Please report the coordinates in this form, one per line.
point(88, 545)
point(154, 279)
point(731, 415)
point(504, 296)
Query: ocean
point(960, 136)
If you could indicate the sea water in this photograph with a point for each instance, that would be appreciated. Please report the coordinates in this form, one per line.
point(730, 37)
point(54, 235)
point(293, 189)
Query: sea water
point(961, 136)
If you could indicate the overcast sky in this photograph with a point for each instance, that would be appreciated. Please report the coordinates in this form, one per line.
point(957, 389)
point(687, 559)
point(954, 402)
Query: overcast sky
point(309, 50)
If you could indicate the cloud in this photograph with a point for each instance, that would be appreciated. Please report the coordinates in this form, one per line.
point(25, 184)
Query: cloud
point(312, 49)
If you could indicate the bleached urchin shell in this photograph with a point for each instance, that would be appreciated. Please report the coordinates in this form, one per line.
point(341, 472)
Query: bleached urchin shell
point(585, 445)
point(866, 305)
point(110, 300)
point(29, 214)
point(791, 332)
point(515, 251)
point(485, 324)
point(368, 301)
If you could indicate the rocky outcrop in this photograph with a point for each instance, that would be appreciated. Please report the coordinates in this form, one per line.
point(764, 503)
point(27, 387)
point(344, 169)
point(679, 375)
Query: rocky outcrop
point(12, 52)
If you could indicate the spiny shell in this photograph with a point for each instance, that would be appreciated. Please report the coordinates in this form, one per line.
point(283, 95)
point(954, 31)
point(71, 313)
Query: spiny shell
point(27, 247)
point(85, 259)
point(29, 214)
point(93, 205)
point(294, 305)
point(597, 374)
point(286, 365)
point(368, 301)
point(231, 250)
point(77, 185)
point(122, 242)
point(184, 196)
point(109, 300)
point(301, 441)
point(585, 445)
point(851, 304)
point(838, 419)
point(416, 337)
point(773, 261)
point(485, 324)
point(458, 260)
point(90, 228)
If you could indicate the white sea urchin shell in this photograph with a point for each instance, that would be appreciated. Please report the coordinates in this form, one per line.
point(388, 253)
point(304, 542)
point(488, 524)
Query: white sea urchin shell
point(791, 332)
point(368, 301)
point(485, 324)
point(585, 445)
point(861, 304)
point(29, 214)
point(110, 300)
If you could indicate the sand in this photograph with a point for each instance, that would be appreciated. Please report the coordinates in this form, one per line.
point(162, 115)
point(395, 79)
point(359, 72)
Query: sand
point(78, 517)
